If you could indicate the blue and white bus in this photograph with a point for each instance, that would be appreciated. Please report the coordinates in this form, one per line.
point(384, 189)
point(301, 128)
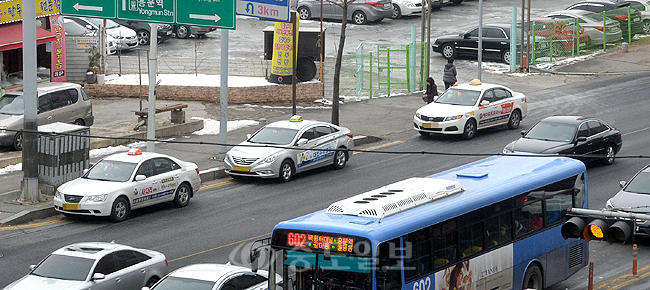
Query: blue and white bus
point(491, 224)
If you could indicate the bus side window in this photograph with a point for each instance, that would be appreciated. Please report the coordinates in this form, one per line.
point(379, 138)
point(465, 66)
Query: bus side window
point(444, 244)
point(471, 239)
point(579, 192)
point(498, 230)
point(389, 275)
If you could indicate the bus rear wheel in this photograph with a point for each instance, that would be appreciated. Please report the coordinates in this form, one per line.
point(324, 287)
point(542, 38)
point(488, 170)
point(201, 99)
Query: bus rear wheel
point(533, 278)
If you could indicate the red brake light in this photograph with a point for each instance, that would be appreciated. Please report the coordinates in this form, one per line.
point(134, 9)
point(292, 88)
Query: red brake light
point(197, 170)
point(621, 17)
point(166, 264)
point(350, 135)
point(374, 4)
point(599, 28)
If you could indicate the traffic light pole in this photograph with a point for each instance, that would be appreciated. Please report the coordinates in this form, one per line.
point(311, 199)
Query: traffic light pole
point(609, 213)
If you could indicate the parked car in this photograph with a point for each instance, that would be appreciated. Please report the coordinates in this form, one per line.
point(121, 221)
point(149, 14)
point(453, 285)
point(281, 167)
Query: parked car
point(358, 12)
point(74, 28)
point(574, 135)
point(57, 102)
point(614, 12)
point(406, 8)
point(466, 108)
point(634, 197)
point(644, 8)
point(216, 277)
point(562, 33)
point(95, 266)
point(184, 31)
point(125, 181)
point(282, 149)
point(496, 43)
point(143, 31)
point(125, 37)
point(593, 25)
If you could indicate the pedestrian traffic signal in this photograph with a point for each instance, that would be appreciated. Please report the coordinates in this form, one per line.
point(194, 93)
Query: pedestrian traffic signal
point(613, 230)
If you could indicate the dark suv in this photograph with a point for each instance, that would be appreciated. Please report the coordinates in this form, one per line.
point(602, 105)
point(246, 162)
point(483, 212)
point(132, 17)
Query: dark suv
point(618, 12)
point(143, 30)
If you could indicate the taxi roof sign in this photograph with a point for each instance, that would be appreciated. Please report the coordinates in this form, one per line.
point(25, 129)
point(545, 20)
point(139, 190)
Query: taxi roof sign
point(296, 118)
point(475, 82)
point(135, 151)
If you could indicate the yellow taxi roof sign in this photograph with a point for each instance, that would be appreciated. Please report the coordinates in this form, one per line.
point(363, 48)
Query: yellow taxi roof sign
point(296, 118)
point(475, 82)
point(135, 151)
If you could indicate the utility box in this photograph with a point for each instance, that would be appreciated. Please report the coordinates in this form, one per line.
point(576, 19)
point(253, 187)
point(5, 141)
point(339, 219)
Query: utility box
point(62, 155)
point(309, 50)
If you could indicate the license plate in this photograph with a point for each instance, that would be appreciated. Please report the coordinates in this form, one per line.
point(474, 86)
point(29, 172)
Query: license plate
point(637, 19)
point(429, 125)
point(387, 5)
point(70, 206)
point(241, 168)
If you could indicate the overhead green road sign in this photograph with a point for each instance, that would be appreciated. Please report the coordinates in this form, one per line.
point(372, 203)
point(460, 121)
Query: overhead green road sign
point(212, 13)
point(89, 8)
point(146, 10)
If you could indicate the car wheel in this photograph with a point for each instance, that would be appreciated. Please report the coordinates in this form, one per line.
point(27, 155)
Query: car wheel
point(533, 278)
point(120, 209)
point(646, 26)
point(79, 122)
point(505, 56)
point(182, 31)
point(287, 170)
point(448, 51)
point(151, 281)
point(397, 13)
point(304, 13)
point(18, 141)
point(182, 197)
point(609, 160)
point(340, 158)
point(515, 119)
point(358, 17)
point(143, 37)
point(469, 130)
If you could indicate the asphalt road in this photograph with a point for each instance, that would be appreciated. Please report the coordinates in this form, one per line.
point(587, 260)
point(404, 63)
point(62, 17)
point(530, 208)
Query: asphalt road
point(221, 219)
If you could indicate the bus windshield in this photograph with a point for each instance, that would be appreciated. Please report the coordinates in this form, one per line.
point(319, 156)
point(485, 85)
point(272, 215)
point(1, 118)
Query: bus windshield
point(335, 272)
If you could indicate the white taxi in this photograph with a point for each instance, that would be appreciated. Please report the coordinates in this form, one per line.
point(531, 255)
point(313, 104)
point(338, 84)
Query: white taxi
point(129, 180)
point(465, 108)
point(282, 149)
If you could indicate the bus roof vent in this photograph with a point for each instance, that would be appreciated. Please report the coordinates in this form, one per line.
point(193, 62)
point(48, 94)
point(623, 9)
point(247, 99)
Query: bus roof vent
point(396, 197)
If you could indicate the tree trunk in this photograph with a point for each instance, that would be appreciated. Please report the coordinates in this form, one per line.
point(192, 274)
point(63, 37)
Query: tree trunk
point(337, 68)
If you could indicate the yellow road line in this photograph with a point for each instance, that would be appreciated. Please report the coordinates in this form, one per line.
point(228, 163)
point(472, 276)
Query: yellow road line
point(637, 131)
point(216, 184)
point(613, 283)
point(219, 247)
point(380, 146)
point(20, 227)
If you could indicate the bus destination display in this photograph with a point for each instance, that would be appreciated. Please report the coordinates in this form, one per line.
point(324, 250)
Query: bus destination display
point(320, 242)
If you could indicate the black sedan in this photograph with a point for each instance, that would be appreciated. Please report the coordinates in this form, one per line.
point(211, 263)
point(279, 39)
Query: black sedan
point(496, 43)
point(570, 135)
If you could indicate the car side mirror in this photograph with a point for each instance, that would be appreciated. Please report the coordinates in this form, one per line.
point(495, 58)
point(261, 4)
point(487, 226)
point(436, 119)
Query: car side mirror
point(485, 102)
point(523, 132)
point(466, 36)
point(582, 139)
point(145, 288)
point(85, 171)
point(32, 267)
point(248, 136)
point(98, 276)
point(140, 177)
point(90, 27)
point(622, 183)
point(302, 141)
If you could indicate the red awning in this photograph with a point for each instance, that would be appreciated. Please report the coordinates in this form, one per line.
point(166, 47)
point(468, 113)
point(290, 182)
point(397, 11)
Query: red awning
point(12, 36)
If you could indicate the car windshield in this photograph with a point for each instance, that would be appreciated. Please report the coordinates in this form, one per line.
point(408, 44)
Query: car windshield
point(12, 105)
point(640, 184)
point(173, 283)
point(459, 97)
point(274, 136)
point(550, 131)
point(64, 267)
point(110, 170)
point(73, 28)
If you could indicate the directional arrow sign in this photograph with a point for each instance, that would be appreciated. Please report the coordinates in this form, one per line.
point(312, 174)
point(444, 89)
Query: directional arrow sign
point(211, 13)
point(89, 8)
point(277, 10)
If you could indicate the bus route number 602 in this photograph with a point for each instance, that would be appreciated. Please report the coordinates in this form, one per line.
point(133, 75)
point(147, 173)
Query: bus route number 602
point(423, 284)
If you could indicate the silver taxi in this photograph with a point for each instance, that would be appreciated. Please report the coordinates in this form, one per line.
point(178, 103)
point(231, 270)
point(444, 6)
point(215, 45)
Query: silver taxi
point(465, 108)
point(282, 149)
point(129, 180)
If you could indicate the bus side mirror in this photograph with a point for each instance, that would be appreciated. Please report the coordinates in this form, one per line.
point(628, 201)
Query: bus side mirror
point(254, 255)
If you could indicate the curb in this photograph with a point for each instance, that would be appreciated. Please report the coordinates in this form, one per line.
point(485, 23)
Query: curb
point(206, 175)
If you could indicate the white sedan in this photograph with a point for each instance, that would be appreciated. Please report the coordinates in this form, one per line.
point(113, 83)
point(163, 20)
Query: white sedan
point(465, 108)
point(125, 181)
point(215, 277)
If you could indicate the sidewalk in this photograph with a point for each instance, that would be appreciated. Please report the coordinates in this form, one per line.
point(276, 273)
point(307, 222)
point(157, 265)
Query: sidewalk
point(362, 119)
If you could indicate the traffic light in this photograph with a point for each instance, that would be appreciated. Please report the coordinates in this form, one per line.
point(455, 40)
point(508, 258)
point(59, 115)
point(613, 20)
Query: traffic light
point(613, 230)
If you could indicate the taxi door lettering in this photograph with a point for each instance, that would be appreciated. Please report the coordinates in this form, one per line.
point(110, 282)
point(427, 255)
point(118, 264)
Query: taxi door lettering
point(147, 190)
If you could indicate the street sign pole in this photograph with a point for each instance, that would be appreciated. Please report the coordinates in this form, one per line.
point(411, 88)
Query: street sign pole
point(223, 95)
point(29, 185)
point(151, 112)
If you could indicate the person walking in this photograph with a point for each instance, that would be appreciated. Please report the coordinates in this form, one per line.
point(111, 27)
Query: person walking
point(449, 76)
point(431, 92)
